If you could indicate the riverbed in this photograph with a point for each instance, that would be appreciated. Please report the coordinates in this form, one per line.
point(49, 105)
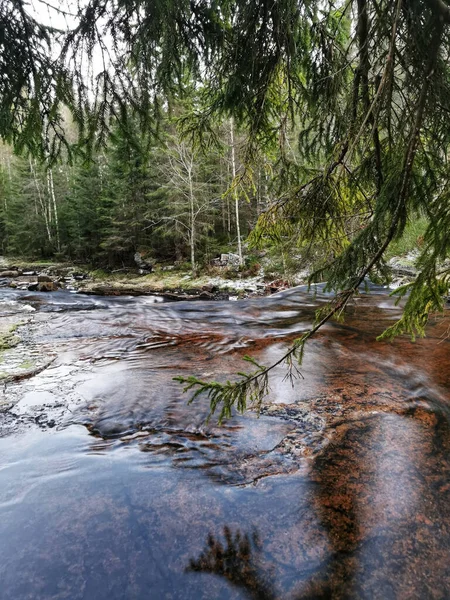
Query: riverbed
point(113, 487)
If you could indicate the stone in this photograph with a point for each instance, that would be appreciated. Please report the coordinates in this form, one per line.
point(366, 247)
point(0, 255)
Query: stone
point(210, 288)
point(143, 265)
point(229, 259)
point(47, 286)
point(9, 274)
point(226, 260)
point(204, 295)
point(44, 279)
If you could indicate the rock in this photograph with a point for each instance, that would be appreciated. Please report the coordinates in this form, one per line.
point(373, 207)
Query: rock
point(230, 259)
point(277, 285)
point(44, 279)
point(226, 260)
point(47, 286)
point(9, 274)
point(143, 265)
point(79, 276)
point(33, 287)
point(210, 288)
point(204, 295)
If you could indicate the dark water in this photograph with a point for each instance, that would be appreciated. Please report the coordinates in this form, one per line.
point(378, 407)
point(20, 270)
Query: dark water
point(112, 487)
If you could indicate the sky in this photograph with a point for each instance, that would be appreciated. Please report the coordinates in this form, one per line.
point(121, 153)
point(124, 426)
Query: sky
point(60, 14)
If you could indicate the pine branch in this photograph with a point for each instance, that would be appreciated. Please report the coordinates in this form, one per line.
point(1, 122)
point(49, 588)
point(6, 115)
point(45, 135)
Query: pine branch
point(254, 386)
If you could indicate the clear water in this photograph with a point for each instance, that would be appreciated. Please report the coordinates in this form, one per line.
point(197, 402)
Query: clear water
point(111, 486)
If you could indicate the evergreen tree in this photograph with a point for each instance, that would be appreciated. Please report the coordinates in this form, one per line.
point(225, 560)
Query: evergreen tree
point(82, 215)
point(127, 182)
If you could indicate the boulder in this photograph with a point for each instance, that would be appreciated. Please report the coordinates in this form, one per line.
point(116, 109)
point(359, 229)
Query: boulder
point(44, 279)
point(277, 285)
point(204, 295)
point(78, 276)
point(226, 260)
point(9, 274)
point(230, 259)
point(47, 286)
point(143, 265)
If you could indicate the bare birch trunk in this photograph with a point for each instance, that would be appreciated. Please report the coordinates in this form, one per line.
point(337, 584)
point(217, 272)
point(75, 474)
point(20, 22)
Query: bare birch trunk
point(192, 219)
point(235, 194)
point(41, 200)
point(51, 190)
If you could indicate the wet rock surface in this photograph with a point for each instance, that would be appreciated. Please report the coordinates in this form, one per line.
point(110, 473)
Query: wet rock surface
point(112, 487)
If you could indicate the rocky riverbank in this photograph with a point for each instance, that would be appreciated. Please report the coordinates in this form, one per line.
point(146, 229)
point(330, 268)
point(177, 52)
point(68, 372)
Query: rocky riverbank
point(171, 285)
point(168, 283)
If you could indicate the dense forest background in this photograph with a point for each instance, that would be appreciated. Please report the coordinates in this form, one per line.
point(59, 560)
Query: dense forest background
point(156, 194)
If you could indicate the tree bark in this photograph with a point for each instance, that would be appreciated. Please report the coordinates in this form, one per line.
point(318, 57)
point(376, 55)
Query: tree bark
point(235, 194)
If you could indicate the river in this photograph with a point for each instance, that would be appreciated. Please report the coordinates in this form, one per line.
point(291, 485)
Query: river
point(113, 487)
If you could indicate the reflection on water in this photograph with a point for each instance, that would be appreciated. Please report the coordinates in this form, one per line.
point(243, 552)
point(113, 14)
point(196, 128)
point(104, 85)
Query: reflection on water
point(236, 558)
point(340, 489)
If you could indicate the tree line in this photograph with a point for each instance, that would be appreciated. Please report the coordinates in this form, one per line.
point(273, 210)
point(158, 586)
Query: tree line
point(156, 194)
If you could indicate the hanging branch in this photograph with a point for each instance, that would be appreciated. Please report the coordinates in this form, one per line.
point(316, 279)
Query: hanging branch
point(253, 387)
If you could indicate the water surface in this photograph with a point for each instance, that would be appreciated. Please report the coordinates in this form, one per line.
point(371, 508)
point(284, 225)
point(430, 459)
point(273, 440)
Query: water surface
point(111, 486)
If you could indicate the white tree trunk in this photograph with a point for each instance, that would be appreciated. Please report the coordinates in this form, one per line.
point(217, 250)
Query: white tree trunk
point(41, 200)
point(51, 189)
point(235, 193)
point(192, 220)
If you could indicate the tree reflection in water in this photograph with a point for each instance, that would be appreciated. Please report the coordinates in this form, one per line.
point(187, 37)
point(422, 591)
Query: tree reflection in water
point(380, 499)
point(238, 559)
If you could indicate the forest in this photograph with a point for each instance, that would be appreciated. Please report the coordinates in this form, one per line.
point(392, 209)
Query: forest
point(158, 195)
point(176, 129)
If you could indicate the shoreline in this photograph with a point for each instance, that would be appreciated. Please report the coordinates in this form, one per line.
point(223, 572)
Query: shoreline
point(170, 284)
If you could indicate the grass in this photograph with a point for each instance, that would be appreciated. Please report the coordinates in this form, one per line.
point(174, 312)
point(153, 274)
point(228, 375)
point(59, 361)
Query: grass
point(158, 280)
point(411, 239)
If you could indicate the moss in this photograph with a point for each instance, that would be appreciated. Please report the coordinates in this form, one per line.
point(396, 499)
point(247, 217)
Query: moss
point(27, 364)
point(8, 339)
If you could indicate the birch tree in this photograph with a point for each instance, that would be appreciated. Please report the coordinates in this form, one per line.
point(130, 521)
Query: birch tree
point(190, 198)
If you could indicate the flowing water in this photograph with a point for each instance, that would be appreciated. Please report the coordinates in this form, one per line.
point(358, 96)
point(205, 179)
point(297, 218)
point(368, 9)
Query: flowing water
point(112, 487)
